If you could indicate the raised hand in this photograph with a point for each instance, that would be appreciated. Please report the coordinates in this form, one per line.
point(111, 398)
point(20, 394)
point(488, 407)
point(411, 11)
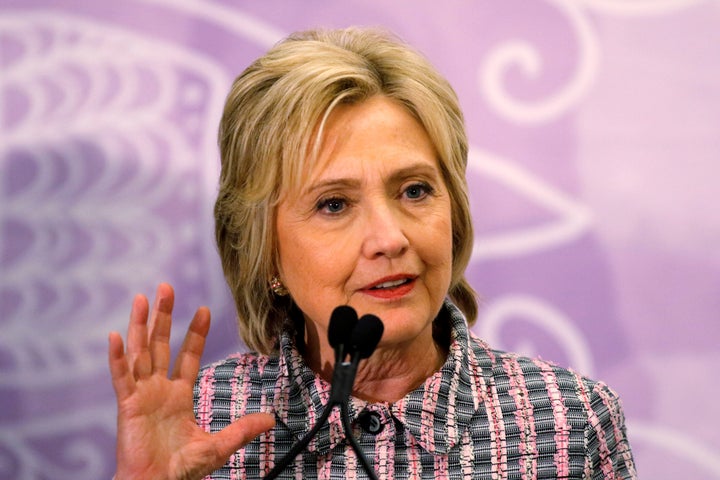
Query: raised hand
point(158, 437)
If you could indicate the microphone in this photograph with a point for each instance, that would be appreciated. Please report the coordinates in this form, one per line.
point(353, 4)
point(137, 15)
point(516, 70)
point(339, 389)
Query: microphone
point(364, 339)
point(356, 339)
point(366, 335)
point(342, 323)
point(361, 343)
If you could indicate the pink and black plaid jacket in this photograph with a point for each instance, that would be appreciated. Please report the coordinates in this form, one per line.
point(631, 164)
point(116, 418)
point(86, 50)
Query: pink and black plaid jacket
point(485, 415)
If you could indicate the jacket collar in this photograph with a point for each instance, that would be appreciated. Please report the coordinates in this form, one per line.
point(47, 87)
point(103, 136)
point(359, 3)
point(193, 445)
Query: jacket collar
point(436, 414)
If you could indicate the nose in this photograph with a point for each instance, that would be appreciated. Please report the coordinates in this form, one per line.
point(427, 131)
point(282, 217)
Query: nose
point(384, 235)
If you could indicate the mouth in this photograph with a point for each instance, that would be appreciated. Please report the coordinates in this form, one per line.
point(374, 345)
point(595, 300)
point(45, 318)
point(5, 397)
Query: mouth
point(393, 287)
point(390, 284)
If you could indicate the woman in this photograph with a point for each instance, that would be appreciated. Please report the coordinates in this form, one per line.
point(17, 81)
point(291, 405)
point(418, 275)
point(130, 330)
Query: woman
point(342, 183)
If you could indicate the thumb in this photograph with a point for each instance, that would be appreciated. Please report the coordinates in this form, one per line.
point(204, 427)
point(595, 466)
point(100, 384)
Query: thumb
point(242, 431)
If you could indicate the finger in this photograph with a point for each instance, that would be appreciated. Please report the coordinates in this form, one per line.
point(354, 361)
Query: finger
point(187, 364)
point(137, 346)
point(160, 325)
point(122, 379)
point(241, 432)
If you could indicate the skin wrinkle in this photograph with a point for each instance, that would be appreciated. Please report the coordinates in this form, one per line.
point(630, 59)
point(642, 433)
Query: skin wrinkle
point(375, 380)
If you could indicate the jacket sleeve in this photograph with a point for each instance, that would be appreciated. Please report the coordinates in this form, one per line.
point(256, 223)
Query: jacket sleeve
point(609, 456)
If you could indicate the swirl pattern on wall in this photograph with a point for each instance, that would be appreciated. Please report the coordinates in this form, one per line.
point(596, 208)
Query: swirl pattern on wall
point(102, 191)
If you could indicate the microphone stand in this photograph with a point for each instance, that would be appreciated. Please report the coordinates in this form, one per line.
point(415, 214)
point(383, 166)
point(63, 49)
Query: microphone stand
point(349, 377)
point(353, 442)
point(343, 380)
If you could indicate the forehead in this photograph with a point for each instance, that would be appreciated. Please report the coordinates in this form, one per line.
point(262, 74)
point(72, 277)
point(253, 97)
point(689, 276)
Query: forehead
point(379, 133)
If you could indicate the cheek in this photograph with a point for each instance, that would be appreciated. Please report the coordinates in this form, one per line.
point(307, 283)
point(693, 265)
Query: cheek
point(436, 236)
point(308, 260)
point(437, 245)
point(291, 256)
point(295, 263)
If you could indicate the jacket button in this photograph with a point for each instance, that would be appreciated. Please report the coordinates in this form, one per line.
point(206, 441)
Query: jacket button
point(371, 422)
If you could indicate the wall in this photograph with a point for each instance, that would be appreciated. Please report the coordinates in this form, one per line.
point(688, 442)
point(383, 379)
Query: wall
point(595, 132)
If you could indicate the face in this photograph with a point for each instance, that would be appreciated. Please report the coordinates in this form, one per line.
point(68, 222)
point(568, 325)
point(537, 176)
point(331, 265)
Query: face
point(371, 228)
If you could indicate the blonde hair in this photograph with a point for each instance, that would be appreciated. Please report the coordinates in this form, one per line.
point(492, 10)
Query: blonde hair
point(272, 114)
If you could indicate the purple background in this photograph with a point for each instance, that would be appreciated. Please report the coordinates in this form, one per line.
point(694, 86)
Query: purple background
point(595, 133)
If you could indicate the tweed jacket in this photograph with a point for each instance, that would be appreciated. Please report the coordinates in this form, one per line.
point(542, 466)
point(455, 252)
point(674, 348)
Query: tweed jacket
point(485, 414)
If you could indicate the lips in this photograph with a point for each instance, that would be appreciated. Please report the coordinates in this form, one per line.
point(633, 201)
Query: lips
point(391, 284)
point(391, 287)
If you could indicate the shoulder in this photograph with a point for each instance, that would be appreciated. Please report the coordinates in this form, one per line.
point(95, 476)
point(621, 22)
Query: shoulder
point(512, 374)
point(235, 369)
point(234, 385)
point(236, 363)
point(555, 403)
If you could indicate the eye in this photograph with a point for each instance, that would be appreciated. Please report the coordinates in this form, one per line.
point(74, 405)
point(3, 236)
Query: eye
point(332, 205)
point(418, 191)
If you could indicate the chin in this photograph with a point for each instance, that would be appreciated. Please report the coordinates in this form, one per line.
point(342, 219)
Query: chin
point(404, 326)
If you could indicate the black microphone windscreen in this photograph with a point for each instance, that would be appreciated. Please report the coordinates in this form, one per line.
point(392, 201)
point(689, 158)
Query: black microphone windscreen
point(342, 323)
point(366, 335)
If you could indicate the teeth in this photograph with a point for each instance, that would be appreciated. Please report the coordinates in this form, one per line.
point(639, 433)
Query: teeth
point(391, 284)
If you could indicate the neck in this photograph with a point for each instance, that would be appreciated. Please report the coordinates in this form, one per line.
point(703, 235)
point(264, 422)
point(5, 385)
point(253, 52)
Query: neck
point(390, 373)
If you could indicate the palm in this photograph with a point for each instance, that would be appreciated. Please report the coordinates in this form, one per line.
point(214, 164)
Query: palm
point(158, 436)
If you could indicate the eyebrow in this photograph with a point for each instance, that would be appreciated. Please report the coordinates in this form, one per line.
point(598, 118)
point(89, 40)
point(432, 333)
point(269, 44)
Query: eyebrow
point(397, 175)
